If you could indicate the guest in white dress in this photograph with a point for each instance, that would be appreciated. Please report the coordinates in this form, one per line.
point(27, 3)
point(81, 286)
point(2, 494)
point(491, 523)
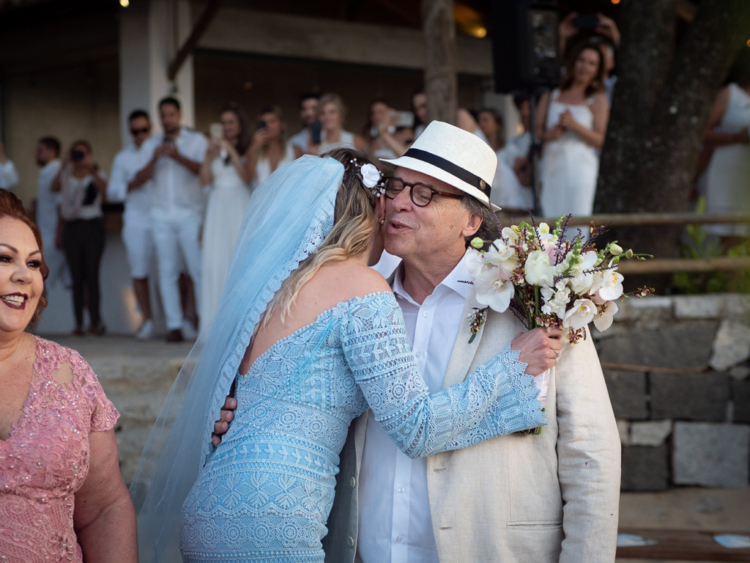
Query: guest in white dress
point(226, 170)
point(268, 149)
point(728, 131)
point(507, 191)
point(331, 114)
point(572, 122)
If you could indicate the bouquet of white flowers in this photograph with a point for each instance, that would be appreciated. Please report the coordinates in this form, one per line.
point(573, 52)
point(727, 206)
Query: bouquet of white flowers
point(547, 280)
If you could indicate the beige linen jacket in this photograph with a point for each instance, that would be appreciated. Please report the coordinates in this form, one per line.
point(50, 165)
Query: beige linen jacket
point(513, 499)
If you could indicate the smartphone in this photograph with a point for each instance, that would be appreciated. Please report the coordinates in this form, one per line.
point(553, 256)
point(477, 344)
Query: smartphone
point(216, 131)
point(586, 21)
point(261, 124)
point(76, 155)
point(315, 130)
point(404, 119)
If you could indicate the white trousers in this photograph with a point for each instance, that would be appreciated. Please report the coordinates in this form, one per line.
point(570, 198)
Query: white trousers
point(139, 244)
point(173, 238)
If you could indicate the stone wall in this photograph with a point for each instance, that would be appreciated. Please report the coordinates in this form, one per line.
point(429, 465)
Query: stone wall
point(677, 371)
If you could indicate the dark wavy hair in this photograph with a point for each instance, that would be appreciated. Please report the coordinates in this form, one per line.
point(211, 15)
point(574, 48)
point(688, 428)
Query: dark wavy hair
point(597, 84)
point(11, 206)
point(245, 137)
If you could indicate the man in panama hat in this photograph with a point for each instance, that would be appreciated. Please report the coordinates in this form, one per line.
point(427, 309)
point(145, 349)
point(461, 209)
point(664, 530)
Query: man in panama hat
point(514, 499)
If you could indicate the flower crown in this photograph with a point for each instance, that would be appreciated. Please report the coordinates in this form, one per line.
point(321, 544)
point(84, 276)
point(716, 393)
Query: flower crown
point(372, 178)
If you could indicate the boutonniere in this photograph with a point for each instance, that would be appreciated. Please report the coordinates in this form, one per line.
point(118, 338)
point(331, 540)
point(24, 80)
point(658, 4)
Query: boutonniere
point(476, 320)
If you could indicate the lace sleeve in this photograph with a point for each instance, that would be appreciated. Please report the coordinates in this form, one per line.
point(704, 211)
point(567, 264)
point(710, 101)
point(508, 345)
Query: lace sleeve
point(496, 399)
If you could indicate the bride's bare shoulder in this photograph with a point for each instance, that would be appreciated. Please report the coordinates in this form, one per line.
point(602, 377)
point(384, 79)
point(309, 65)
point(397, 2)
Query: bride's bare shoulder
point(348, 279)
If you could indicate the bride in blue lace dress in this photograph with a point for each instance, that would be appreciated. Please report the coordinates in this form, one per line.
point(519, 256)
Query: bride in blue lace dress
point(322, 341)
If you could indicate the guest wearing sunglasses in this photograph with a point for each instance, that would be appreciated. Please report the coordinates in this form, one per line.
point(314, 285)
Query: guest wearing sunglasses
point(136, 230)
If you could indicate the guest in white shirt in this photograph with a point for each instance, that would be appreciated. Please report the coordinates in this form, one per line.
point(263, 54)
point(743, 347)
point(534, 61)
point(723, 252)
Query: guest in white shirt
point(8, 174)
point(82, 186)
point(136, 230)
point(174, 160)
point(48, 210)
point(308, 113)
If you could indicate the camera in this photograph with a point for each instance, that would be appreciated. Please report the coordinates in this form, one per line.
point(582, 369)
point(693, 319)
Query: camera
point(76, 155)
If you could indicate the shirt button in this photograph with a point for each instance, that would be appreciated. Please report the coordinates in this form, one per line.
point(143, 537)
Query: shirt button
point(350, 541)
point(353, 482)
point(418, 354)
point(398, 539)
point(426, 314)
point(401, 490)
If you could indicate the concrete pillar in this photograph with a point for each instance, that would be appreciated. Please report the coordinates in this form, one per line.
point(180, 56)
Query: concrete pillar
point(151, 33)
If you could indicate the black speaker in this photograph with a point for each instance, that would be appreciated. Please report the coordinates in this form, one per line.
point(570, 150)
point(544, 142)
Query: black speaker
point(525, 45)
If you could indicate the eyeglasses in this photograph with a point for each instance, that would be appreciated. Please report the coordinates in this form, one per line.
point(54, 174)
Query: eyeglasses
point(421, 194)
point(136, 132)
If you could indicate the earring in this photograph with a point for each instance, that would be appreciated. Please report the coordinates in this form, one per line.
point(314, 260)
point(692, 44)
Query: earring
point(382, 221)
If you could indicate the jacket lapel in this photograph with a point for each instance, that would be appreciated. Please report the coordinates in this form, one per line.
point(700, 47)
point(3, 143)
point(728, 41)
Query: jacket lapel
point(463, 352)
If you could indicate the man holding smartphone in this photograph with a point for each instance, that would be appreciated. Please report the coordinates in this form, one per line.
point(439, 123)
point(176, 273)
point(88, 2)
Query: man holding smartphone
point(137, 234)
point(173, 162)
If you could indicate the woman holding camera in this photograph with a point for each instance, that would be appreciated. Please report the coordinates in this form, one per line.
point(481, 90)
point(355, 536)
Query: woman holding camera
point(269, 149)
point(82, 185)
point(227, 171)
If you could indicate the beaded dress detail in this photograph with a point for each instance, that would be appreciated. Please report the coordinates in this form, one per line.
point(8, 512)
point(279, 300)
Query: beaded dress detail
point(45, 460)
point(266, 492)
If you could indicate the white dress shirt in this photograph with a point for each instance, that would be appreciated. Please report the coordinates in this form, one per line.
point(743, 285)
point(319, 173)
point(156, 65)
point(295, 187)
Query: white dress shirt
point(394, 508)
point(48, 203)
point(176, 193)
point(126, 165)
point(8, 175)
point(301, 139)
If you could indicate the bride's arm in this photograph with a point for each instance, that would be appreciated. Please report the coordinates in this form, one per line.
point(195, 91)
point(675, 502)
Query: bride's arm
point(498, 398)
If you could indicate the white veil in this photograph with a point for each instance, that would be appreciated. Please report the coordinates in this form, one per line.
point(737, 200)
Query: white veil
point(287, 218)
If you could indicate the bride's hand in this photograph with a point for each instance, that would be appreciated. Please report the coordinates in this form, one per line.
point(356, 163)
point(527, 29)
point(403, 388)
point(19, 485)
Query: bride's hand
point(540, 349)
point(221, 426)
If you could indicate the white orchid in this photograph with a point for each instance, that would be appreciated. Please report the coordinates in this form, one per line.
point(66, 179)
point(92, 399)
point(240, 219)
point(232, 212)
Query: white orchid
point(610, 286)
point(556, 300)
point(607, 315)
point(582, 313)
point(494, 289)
point(511, 236)
point(539, 270)
point(476, 262)
point(503, 255)
point(577, 266)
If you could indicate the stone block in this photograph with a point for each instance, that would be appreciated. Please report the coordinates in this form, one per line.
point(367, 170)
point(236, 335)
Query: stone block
point(690, 396)
point(683, 344)
point(737, 307)
point(731, 345)
point(646, 310)
point(623, 429)
point(699, 306)
point(711, 455)
point(741, 396)
point(627, 392)
point(645, 468)
point(652, 434)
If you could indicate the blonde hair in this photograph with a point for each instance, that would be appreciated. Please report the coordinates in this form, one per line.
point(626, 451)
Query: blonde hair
point(334, 99)
point(353, 224)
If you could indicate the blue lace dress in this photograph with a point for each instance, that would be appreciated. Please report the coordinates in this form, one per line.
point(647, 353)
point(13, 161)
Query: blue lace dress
point(266, 491)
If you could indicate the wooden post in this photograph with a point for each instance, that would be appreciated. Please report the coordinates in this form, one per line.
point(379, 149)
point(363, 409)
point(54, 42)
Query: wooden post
point(440, 80)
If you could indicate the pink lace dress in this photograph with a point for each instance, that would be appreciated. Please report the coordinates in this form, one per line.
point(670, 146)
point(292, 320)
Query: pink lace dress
point(45, 460)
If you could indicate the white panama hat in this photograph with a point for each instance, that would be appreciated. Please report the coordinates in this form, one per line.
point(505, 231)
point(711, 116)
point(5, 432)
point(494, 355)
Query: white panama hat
point(454, 156)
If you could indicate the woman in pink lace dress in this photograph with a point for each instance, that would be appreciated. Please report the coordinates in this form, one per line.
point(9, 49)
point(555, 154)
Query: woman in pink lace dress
point(62, 497)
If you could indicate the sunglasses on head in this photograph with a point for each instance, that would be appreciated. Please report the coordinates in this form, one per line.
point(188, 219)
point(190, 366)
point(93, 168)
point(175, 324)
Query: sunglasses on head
point(135, 132)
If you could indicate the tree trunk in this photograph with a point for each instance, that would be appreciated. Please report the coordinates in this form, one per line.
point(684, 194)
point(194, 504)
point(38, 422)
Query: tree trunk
point(440, 80)
point(660, 108)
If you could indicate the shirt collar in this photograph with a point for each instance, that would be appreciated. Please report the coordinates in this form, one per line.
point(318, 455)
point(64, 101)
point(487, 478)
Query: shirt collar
point(458, 280)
